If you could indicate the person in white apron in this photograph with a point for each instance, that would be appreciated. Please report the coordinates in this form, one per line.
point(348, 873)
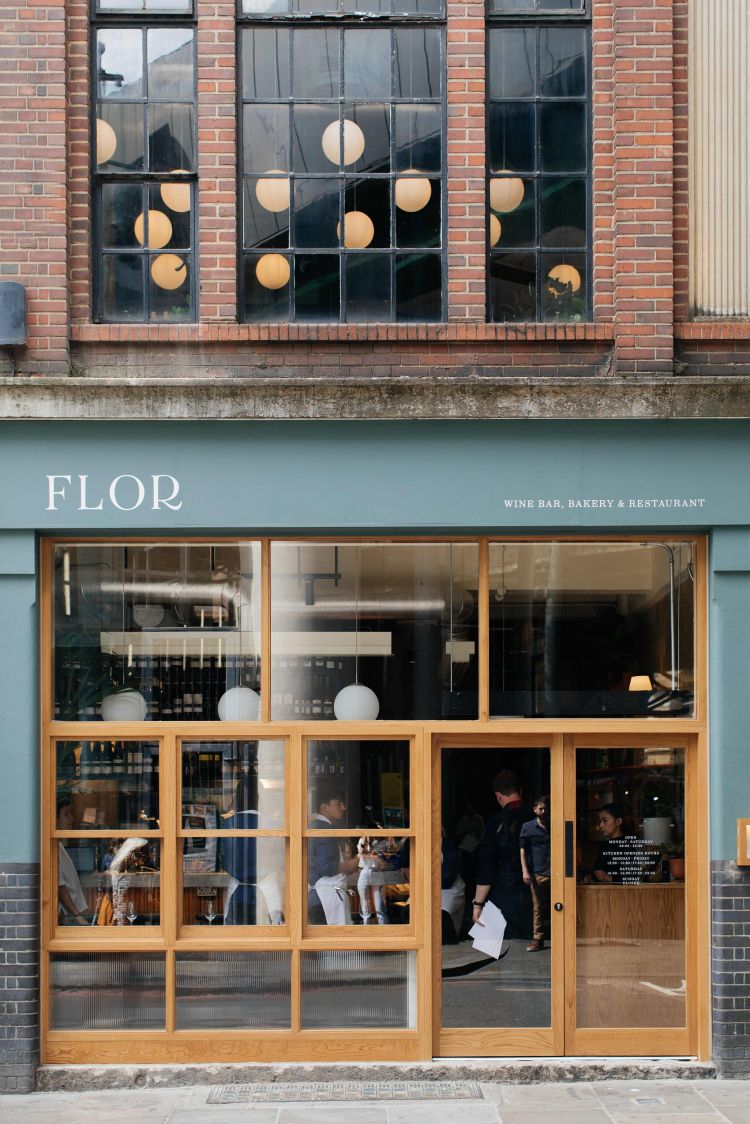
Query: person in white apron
point(328, 902)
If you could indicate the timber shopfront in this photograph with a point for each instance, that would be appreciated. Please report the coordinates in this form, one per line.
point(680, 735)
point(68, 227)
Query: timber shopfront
point(313, 698)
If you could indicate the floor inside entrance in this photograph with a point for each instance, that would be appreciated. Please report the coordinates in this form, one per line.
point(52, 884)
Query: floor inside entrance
point(513, 991)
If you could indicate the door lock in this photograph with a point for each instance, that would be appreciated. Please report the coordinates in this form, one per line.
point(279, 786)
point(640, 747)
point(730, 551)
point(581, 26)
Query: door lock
point(558, 907)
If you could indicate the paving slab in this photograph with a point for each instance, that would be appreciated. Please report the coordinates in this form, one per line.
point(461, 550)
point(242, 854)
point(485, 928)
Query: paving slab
point(552, 1096)
point(474, 1112)
point(334, 1114)
point(564, 1116)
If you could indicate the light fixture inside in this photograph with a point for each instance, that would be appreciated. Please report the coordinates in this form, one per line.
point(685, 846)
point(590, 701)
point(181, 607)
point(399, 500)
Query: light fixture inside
point(640, 683)
point(106, 141)
point(495, 230)
point(564, 275)
point(273, 271)
point(169, 271)
point(176, 195)
point(359, 230)
point(354, 142)
point(413, 192)
point(159, 229)
point(506, 194)
point(273, 194)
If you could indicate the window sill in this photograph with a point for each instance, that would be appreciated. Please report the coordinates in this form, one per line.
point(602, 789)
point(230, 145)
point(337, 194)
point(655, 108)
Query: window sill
point(713, 330)
point(460, 332)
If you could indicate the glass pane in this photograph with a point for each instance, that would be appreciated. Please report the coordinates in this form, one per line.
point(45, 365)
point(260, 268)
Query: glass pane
point(267, 287)
point(171, 75)
point(356, 880)
point(564, 285)
point(264, 7)
point(562, 61)
point(107, 990)
point(367, 63)
point(170, 297)
point(151, 6)
point(398, 620)
point(419, 7)
point(513, 287)
point(511, 129)
point(316, 63)
point(233, 990)
point(316, 212)
point(562, 137)
point(563, 212)
point(314, 7)
point(312, 125)
point(155, 630)
point(417, 63)
point(573, 626)
point(232, 879)
point(265, 62)
point(122, 287)
point(373, 777)
point(122, 203)
point(120, 138)
point(120, 63)
point(316, 286)
point(353, 989)
point(370, 199)
point(630, 898)
point(171, 143)
point(265, 138)
point(229, 785)
point(512, 200)
point(418, 287)
point(418, 138)
point(374, 123)
point(112, 784)
point(368, 295)
point(512, 62)
point(266, 212)
point(108, 882)
point(496, 847)
point(417, 222)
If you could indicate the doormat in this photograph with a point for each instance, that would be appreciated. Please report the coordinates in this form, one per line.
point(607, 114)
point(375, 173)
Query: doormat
point(281, 1091)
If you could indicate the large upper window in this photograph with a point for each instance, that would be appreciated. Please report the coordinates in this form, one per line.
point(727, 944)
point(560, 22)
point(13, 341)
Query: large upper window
point(342, 158)
point(538, 134)
point(144, 171)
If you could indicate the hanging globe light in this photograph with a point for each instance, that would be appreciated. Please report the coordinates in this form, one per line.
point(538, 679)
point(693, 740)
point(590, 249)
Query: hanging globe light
point(495, 230)
point(506, 194)
point(159, 229)
point(273, 194)
point(124, 706)
point(106, 141)
point(273, 271)
point(413, 192)
point(169, 271)
point(359, 230)
point(566, 275)
point(176, 195)
point(239, 704)
point(356, 703)
point(354, 142)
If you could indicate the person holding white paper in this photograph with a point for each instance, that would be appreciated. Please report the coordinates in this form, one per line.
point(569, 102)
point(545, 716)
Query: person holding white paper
point(500, 877)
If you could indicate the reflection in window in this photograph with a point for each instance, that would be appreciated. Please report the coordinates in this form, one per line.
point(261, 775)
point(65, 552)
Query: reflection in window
point(109, 784)
point(231, 879)
point(145, 124)
point(373, 778)
point(591, 629)
point(355, 880)
point(108, 882)
point(154, 631)
point(538, 138)
point(374, 630)
point(338, 178)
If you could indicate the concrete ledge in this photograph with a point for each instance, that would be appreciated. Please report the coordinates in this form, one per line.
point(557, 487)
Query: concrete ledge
point(449, 397)
point(517, 1071)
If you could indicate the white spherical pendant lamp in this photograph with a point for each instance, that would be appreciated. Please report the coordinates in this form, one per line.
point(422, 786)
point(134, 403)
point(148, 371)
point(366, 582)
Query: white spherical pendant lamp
point(273, 271)
point(356, 703)
point(506, 194)
point(359, 230)
point(239, 704)
point(176, 195)
point(565, 275)
point(412, 192)
point(124, 706)
point(106, 141)
point(159, 229)
point(354, 142)
point(273, 194)
point(169, 271)
point(495, 230)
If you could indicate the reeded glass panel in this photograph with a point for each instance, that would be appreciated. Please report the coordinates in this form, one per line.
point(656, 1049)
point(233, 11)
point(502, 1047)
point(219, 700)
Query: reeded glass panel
point(496, 847)
point(233, 990)
point(353, 989)
point(358, 879)
point(110, 784)
point(630, 898)
point(107, 882)
point(231, 879)
point(153, 630)
point(395, 623)
point(107, 990)
point(591, 629)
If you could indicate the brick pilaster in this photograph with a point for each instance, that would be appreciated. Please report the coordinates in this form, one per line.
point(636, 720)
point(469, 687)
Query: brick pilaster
point(19, 976)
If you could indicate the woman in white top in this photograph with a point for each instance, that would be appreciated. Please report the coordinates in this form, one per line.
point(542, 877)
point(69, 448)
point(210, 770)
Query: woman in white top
point(70, 896)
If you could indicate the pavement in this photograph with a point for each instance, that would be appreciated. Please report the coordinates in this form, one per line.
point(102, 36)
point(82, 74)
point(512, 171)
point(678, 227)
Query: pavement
point(596, 1102)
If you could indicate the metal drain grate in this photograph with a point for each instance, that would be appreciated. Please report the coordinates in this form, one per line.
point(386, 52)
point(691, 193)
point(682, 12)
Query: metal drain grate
point(266, 1092)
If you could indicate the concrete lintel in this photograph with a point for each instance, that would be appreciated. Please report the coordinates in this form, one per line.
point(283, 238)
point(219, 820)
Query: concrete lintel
point(562, 397)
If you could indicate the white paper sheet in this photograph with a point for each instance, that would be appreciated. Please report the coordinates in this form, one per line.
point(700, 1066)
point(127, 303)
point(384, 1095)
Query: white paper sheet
point(488, 937)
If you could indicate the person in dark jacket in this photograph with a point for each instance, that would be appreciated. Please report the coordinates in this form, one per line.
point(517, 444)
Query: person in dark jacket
point(500, 876)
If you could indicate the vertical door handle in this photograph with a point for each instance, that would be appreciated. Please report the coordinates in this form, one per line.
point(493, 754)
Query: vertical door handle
point(570, 851)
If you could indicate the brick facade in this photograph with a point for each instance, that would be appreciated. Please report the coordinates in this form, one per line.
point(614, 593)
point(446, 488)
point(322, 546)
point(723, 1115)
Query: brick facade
point(19, 976)
point(730, 969)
